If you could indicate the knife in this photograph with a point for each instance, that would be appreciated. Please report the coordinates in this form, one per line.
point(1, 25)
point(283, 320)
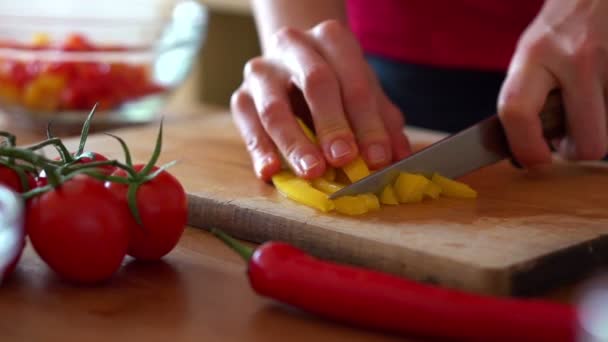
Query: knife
point(480, 145)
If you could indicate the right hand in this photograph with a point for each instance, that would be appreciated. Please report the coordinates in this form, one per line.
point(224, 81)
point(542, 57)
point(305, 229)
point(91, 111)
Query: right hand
point(351, 114)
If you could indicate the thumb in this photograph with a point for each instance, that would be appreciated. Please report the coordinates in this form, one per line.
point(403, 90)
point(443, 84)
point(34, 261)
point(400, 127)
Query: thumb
point(520, 101)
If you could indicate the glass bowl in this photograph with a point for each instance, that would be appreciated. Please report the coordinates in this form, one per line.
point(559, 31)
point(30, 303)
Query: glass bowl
point(60, 58)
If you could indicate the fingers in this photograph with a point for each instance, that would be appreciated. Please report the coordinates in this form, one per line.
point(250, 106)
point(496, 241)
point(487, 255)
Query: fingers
point(320, 86)
point(393, 119)
point(267, 87)
point(266, 161)
point(584, 101)
point(520, 101)
point(395, 124)
point(341, 51)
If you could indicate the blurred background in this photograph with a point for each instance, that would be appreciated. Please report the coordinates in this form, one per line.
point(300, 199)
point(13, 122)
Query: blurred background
point(131, 59)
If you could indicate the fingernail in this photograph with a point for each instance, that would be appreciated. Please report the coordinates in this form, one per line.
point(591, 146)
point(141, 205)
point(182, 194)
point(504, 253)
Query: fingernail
point(308, 162)
point(339, 149)
point(376, 154)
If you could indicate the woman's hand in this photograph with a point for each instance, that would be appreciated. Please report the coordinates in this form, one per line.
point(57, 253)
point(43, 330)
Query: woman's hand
point(326, 69)
point(565, 47)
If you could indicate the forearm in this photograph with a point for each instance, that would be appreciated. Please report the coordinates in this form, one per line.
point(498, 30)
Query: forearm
point(271, 15)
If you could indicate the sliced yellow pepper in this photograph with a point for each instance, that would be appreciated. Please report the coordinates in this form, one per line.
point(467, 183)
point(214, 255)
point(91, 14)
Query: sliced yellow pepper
point(307, 131)
point(432, 190)
point(356, 169)
point(371, 201)
point(388, 196)
point(326, 186)
point(351, 205)
point(302, 191)
point(410, 187)
point(330, 174)
point(452, 188)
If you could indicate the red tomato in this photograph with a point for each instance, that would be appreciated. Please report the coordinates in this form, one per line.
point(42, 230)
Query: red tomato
point(106, 170)
point(79, 229)
point(77, 42)
point(10, 179)
point(163, 209)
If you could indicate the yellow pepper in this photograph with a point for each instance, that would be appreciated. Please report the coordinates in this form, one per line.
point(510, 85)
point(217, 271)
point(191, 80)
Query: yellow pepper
point(9, 93)
point(388, 196)
point(410, 187)
point(41, 39)
point(432, 190)
point(311, 136)
point(330, 174)
point(326, 186)
point(452, 188)
point(371, 201)
point(356, 169)
point(301, 191)
point(351, 205)
point(44, 93)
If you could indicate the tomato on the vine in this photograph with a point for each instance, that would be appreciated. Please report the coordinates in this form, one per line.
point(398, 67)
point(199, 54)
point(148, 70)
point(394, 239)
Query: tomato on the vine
point(163, 209)
point(10, 178)
point(79, 229)
point(95, 157)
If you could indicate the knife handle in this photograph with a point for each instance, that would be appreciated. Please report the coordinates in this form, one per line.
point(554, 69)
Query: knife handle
point(553, 116)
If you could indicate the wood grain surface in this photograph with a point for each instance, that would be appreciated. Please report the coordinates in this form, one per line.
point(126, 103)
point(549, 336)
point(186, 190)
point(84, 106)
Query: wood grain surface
point(525, 233)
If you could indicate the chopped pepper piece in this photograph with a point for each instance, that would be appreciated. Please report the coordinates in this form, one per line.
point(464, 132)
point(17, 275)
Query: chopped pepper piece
point(371, 201)
point(326, 186)
point(388, 196)
point(432, 190)
point(356, 169)
point(307, 131)
point(301, 191)
point(452, 188)
point(351, 205)
point(410, 187)
point(330, 174)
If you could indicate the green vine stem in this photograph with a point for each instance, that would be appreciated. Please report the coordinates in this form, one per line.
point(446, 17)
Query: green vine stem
point(125, 149)
point(85, 131)
point(34, 159)
point(21, 173)
point(58, 144)
point(244, 251)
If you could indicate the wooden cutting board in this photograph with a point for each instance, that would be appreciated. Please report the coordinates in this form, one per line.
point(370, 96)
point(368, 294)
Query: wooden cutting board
point(524, 233)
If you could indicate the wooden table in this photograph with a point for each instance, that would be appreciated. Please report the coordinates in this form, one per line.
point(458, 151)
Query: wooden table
point(199, 293)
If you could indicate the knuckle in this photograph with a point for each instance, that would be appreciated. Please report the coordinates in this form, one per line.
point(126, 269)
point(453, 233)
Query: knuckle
point(284, 35)
point(513, 110)
point(238, 100)
point(584, 55)
point(255, 66)
point(331, 128)
point(331, 29)
point(317, 76)
point(271, 112)
point(358, 92)
point(253, 142)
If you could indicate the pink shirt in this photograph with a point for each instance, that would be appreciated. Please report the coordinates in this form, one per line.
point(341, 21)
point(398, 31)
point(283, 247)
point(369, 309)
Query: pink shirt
point(478, 34)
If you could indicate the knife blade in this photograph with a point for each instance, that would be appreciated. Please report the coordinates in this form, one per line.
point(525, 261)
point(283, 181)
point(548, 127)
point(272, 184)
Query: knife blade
point(480, 145)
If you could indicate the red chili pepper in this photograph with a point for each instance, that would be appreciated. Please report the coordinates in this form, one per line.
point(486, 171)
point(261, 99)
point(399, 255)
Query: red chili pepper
point(389, 303)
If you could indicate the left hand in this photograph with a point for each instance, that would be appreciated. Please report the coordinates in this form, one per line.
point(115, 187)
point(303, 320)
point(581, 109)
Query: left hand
point(565, 47)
